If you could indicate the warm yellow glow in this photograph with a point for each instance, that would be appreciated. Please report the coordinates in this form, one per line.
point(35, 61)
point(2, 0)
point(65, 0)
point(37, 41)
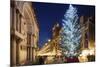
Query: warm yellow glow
point(85, 52)
point(49, 40)
point(82, 58)
point(92, 51)
point(59, 38)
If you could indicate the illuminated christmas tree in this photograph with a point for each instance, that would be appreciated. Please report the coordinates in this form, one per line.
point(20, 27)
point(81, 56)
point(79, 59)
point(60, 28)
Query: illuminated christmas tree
point(71, 32)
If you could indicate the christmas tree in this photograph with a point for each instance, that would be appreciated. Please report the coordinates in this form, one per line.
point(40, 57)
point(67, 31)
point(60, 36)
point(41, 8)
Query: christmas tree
point(70, 33)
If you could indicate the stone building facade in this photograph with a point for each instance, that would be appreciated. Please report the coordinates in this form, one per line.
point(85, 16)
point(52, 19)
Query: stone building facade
point(24, 33)
point(88, 32)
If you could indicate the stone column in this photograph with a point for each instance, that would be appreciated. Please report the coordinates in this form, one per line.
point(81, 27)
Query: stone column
point(13, 51)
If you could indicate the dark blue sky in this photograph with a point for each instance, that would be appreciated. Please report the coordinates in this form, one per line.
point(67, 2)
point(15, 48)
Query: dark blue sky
point(48, 14)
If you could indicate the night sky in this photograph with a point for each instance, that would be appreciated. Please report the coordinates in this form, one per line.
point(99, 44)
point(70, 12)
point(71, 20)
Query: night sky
point(47, 14)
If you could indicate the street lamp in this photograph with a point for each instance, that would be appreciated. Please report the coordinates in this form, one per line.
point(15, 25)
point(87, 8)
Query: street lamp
point(49, 40)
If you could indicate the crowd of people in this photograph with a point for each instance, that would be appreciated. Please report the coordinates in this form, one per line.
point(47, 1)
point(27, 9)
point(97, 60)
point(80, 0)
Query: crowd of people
point(61, 59)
